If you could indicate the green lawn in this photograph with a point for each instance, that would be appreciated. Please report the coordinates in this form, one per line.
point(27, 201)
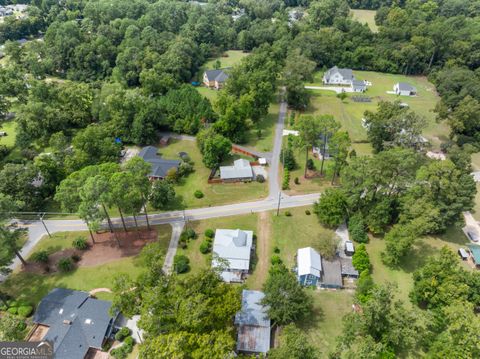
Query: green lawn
point(366, 17)
point(34, 286)
point(476, 209)
point(10, 127)
point(298, 231)
point(59, 241)
point(264, 143)
point(228, 59)
point(325, 324)
point(350, 113)
point(423, 249)
point(210, 94)
point(214, 194)
point(199, 261)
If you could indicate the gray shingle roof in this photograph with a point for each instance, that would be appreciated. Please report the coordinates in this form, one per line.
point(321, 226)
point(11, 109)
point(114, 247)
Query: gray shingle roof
point(160, 166)
point(76, 322)
point(253, 324)
point(347, 74)
point(216, 75)
point(359, 84)
point(332, 273)
point(403, 86)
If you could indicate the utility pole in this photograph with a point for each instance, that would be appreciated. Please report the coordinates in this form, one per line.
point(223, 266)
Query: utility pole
point(278, 207)
point(44, 225)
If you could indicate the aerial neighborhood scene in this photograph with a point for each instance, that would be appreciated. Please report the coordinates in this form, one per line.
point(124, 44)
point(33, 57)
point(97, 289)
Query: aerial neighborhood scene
point(285, 179)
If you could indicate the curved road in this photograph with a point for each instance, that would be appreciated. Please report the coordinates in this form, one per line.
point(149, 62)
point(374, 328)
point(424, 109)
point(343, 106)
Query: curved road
point(36, 229)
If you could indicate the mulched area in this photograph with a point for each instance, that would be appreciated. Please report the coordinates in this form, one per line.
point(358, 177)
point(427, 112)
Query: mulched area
point(108, 247)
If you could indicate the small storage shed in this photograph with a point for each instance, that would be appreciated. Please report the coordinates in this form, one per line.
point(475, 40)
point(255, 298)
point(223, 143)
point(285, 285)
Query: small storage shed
point(349, 248)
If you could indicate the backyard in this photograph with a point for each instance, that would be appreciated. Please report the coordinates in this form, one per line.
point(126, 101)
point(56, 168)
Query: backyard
point(350, 113)
point(32, 283)
point(214, 194)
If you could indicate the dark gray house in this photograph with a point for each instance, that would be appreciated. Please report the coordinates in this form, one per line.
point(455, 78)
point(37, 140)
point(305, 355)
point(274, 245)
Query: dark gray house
point(76, 322)
point(160, 166)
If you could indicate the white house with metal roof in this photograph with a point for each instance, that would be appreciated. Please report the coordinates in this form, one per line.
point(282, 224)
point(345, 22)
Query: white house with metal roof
point(253, 324)
point(404, 89)
point(232, 250)
point(338, 76)
point(309, 266)
point(240, 171)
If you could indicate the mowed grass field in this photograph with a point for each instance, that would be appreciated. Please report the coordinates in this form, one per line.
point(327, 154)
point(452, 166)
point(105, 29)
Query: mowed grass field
point(33, 287)
point(214, 194)
point(350, 113)
point(365, 17)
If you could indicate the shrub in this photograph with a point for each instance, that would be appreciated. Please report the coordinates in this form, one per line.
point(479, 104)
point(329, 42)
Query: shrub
point(260, 179)
point(254, 237)
point(307, 212)
point(288, 159)
point(310, 164)
point(288, 213)
point(276, 249)
point(65, 265)
point(198, 194)
point(181, 263)
point(40, 257)
point(120, 352)
point(12, 303)
point(286, 179)
point(205, 247)
point(296, 180)
point(360, 259)
point(129, 341)
point(209, 233)
point(122, 334)
point(80, 243)
point(276, 260)
point(76, 258)
point(185, 168)
point(25, 311)
point(190, 233)
point(12, 310)
point(357, 228)
point(182, 243)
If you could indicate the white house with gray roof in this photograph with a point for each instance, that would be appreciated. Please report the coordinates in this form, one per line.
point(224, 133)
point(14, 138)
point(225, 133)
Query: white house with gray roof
point(77, 323)
point(240, 171)
point(404, 89)
point(253, 324)
point(232, 249)
point(338, 76)
point(215, 78)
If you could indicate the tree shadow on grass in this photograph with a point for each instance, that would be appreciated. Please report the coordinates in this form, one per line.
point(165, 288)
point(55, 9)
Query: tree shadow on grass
point(417, 257)
point(315, 318)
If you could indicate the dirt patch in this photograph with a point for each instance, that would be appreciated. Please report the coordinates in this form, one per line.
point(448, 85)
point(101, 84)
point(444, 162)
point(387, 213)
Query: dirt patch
point(108, 247)
point(38, 333)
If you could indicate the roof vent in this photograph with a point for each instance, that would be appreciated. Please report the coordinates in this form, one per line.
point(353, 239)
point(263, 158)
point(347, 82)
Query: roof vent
point(67, 322)
point(88, 321)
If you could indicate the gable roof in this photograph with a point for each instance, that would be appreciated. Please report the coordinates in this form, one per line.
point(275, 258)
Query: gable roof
point(358, 84)
point(241, 169)
point(216, 75)
point(403, 86)
point(309, 262)
point(347, 74)
point(160, 166)
point(76, 321)
point(234, 246)
point(253, 323)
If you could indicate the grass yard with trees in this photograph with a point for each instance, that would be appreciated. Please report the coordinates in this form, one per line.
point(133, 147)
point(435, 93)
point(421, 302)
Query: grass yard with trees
point(35, 285)
point(365, 17)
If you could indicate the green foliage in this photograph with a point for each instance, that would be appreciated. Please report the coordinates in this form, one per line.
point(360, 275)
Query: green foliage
point(365, 285)
point(122, 334)
point(356, 228)
point(307, 212)
point(65, 265)
point(296, 181)
point(210, 233)
point(205, 246)
point(331, 208)
point(215, 149)
point(288, 213)
point(40, 256)
point(293, 344)
point(80, 243)
point(276, 260)
point(190, 233)
point(287, 300)
point(181, 263)
point(288, 158)
point(12, 310)
point(398, 241)
point(162, 194)
point(286, 179)
point(360, 259)
point(25, 311)
point(260, 178)
point(12, 328)
point(310, 164)
point(198, 194)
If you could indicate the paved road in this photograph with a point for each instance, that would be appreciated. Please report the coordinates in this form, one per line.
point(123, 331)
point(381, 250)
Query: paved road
point(273, 176)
